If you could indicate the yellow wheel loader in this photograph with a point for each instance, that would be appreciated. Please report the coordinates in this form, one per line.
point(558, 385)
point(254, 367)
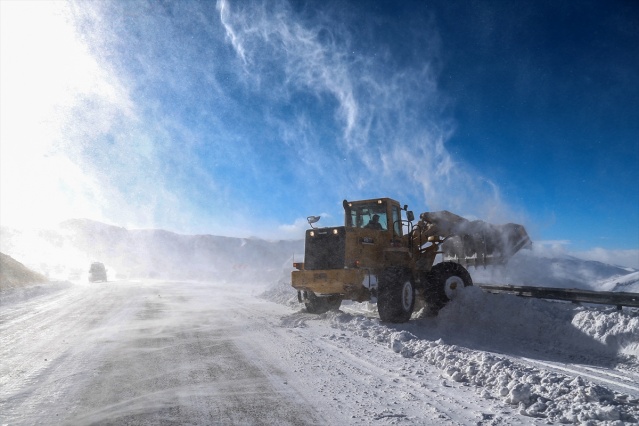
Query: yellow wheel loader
point(380, 255)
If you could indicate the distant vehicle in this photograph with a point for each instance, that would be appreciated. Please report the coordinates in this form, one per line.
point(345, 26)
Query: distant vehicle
point(97, 272)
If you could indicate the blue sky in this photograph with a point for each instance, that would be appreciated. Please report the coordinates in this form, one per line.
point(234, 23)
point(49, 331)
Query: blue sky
point(242, 118)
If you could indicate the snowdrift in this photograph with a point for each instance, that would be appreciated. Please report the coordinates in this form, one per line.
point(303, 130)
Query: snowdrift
point(513, 349)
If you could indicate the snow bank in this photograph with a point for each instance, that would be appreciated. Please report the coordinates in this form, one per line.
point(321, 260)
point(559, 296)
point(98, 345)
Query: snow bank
point(12, 296)
point(519, 328)
point(282, 293)
point(564, 327)
point(616, 330)
point(536, 392)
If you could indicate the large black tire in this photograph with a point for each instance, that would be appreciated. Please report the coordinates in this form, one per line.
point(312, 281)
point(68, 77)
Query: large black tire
point(395, 295)
point(443, 281)
point(320, 304)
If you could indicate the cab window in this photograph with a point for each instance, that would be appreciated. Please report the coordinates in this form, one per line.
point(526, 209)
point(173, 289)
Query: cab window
point(368, 216)
point(397, 221)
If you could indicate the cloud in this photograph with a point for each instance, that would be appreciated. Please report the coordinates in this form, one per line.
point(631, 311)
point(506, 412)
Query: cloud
point(295, 230)
point(298, 228)
point(626, 258)
point(551, 247)
point(393, 119)
point(190, 116)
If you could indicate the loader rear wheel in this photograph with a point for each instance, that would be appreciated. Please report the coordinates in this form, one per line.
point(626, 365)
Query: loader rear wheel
point(444, 281)
point(395, 295)
point(320, 304)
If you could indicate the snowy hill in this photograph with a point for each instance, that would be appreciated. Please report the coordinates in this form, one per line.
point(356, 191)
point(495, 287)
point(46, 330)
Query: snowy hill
point(66, 253)
point(628, 283)
point(536, 269)
point(14, 274)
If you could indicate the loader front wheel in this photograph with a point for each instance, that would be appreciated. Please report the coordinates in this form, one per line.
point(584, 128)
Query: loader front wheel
point(395, 295)
point(444, 281)
point(320, 304)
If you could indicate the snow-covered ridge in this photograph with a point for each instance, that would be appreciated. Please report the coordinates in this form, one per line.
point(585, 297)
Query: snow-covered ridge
point(536, 269)
point(15, 274)
point(67, 251)
point(626, 283)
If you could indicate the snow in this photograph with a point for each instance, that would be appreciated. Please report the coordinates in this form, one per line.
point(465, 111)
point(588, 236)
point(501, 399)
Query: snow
point(627, 283)
point(538, 268)
point(516, 351)
point(142, 349)
point(616, 330)
point(536, 393)
point(485, 359)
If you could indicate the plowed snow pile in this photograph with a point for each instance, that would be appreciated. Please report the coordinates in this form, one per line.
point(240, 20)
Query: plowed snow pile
point(564, 327)
point(500, 344)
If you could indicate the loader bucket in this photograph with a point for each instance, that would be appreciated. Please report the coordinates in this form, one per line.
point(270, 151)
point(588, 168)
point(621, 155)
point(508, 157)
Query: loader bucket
point(476, 242)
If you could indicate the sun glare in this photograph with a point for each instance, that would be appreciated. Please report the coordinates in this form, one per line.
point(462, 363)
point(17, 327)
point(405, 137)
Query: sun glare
point(46, 69)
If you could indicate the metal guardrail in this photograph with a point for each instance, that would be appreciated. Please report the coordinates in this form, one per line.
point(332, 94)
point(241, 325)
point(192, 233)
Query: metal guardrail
point(618, 299)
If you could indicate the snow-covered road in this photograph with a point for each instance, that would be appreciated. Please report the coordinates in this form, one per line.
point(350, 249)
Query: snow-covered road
point(143, 352)
point(157, 352)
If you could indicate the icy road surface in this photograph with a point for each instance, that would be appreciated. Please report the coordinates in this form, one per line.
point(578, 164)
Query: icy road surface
point(202, 353)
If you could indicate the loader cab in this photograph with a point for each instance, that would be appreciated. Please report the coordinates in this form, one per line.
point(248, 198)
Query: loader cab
point(361, 214)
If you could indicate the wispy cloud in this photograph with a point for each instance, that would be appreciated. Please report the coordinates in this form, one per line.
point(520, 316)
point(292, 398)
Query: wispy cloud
point(154, 114)
point(77, 141)
point(393, 118)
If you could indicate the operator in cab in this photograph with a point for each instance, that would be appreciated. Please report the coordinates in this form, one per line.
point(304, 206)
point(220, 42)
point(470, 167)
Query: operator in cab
point(374, 223)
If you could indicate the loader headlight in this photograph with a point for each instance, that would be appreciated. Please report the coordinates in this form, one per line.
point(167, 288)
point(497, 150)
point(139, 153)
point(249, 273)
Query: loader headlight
point(312, 233)
point(334, 231)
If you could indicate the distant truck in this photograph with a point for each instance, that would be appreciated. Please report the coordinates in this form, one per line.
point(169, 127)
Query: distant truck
point(97, 272)
point(377, 256)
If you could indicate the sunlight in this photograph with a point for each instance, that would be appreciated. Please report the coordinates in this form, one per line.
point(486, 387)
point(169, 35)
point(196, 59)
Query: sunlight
point(46, 71)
